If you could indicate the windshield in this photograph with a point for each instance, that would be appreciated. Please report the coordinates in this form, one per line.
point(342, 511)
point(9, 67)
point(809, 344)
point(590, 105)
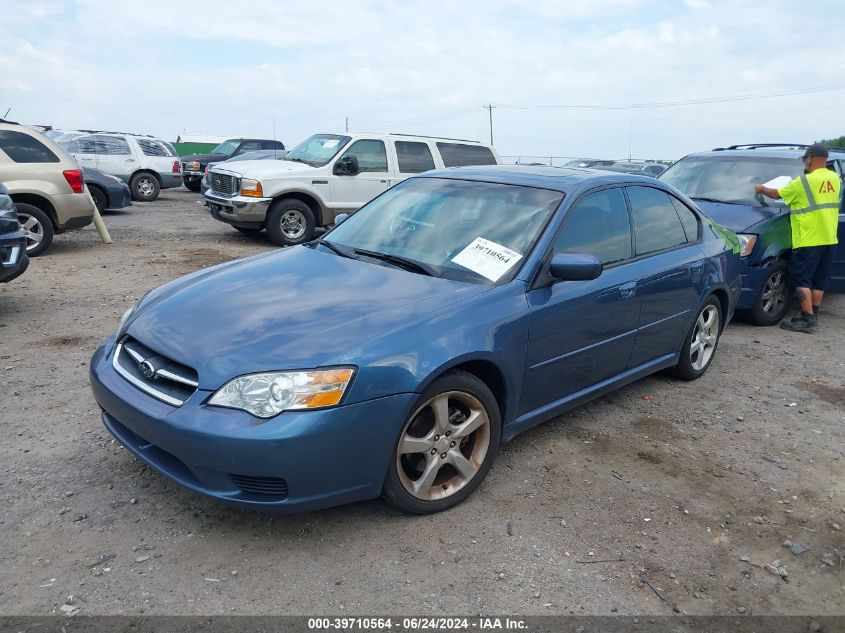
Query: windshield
point(472, 231)
point(318, 149)
point(729, 178)
point(227, 148)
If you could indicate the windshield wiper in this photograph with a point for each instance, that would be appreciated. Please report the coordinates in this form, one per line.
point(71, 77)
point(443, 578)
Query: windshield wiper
point(409, 264)
point(340, 250)
point(711, 200)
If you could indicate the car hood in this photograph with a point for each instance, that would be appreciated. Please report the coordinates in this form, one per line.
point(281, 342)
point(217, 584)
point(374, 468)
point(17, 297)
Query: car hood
point(289, 309)
point(264, 169)
point(738, 217)
point(203, 158)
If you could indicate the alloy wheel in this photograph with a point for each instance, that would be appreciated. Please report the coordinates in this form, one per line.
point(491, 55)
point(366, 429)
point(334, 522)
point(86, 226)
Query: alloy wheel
point(773, 297)
point(443, 446)
point(145, 187)
point(293, 224)
point(32, 230)
point(704, 337)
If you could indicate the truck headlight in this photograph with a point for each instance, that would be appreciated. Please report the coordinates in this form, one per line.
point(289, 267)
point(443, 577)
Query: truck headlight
point(268, 394)
point(251, 188)
point(193, 165)
point(747, 242)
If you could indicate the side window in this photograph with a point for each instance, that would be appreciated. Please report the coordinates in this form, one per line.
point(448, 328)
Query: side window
point(23, 148)
point(370, 154)
point(86, 145)
point(272, 145)
point(598, 225)
point(152, 147)
point(458, 154)
point(656, 223)
point(112, 146)
point(413, 157)
point(248, 146)
point(688, 219)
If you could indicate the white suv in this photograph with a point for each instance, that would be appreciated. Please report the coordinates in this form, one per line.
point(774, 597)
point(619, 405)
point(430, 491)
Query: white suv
point(146, 163)
point(324, 176)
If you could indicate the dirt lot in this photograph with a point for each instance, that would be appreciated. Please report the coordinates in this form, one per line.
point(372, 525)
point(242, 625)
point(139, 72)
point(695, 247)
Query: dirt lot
point(681, 480)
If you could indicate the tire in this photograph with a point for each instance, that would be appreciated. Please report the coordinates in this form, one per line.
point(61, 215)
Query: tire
point(774, 300)
point(247, 230)
point(193, 184)
point(290, 222)
point(144, 187)
point(100, 198)
point(701, 341)
point(427, 475)
point(37, 226)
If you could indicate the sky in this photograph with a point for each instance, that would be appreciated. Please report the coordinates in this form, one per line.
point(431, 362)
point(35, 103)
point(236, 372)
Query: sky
point(605, 78)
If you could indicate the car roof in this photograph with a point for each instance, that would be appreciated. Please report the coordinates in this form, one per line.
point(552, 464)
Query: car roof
point(773, 150)
point(563, 179)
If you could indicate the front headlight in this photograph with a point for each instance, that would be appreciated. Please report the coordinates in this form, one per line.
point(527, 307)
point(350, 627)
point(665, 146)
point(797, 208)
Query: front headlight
point(268, 394)
point(193, 165)
point(251, 188)
point(130, 312)
point(746, 243)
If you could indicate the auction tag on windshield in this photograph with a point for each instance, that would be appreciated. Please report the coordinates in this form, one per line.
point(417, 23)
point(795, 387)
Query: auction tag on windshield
point(778, 183)
point(332, 142)
point(487, 258)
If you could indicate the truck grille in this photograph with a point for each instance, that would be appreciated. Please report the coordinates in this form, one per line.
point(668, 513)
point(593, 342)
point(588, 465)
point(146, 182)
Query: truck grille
point(160, 377)
point(224, 184)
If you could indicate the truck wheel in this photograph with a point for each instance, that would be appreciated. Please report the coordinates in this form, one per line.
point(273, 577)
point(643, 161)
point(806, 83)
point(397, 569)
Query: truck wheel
point(144, 187)
point(290, 222)
point(193, 184)
point(37, 227)
point(773, 303)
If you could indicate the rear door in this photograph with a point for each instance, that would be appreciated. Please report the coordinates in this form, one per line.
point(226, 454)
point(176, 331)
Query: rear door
point(115, 157)
point(837, 278)
point(86, 151)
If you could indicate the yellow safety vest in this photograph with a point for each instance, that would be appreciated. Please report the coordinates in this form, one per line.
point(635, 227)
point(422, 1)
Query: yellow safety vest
point(814, 203)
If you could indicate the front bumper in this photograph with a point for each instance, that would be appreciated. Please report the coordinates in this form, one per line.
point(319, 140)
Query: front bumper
point(119, 196)
point(317, 458)
point(753, 278)
point(13, 259)
point(240, 210)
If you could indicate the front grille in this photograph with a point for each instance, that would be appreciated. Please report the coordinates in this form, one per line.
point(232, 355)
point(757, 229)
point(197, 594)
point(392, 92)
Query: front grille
point(275, 487)
point(224, 184)
point(157, 375)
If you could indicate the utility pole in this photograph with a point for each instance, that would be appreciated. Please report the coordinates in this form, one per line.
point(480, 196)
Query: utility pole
point(490, 108)
point(347, 124)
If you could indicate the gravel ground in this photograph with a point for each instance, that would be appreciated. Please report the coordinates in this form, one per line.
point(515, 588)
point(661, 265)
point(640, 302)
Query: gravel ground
point(664, 495)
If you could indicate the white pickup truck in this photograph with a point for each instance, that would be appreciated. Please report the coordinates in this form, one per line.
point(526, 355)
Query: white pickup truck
point(324, 176)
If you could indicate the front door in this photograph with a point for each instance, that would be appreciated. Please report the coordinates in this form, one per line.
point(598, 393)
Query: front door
point(115, 157)
point(837, 278)
point(349, 192)
point(582, 332)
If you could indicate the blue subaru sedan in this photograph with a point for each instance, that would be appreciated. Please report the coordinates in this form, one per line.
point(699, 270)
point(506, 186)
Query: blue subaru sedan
point(393, 356)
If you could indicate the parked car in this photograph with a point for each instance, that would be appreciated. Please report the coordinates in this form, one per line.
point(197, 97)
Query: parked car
point(637, 167)
point(193, 166)
point(145, 163)
point(722, 183)
point(324, 176)
point(587, 163)
point(108, 192)
point(13, 259)
point(393, 356)
point(264, 154)
point(46, 185)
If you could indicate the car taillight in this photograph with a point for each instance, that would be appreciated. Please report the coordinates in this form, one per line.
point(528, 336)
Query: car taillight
point(74, 179)
point(177, 167)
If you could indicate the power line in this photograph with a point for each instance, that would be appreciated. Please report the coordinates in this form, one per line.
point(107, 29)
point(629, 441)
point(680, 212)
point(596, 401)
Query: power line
point(680, 103)
point(435, 118)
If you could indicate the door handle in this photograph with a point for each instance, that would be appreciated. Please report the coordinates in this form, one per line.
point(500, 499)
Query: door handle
point(130, 160)
point(628, 290)
point(384, 181)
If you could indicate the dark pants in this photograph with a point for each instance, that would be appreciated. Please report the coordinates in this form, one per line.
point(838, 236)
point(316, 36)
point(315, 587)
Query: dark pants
point(810, 267)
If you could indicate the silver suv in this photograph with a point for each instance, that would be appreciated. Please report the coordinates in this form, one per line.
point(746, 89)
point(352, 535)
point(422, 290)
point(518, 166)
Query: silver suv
point(145, 163)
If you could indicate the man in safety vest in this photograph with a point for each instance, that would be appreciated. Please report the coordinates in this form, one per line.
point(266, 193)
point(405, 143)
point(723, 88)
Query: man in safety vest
point(813, 200)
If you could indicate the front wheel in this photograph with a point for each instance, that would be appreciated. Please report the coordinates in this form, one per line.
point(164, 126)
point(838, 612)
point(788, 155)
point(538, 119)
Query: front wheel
point(773, 303)
point(701, 342)
point(290, 222)
point(37, 228)
point(144, 187)
point(446, 447)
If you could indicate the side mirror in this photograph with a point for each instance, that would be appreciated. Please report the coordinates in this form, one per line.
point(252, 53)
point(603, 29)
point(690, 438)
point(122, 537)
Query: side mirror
point(341, 218)
point(575, 267)
point(346, 166)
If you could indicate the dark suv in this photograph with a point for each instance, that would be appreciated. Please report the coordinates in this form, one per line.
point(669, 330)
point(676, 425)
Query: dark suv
point(13, 259)
point(193, 166)
point(722, 183)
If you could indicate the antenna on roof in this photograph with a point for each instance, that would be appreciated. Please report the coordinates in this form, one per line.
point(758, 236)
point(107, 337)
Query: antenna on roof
point(7, 112)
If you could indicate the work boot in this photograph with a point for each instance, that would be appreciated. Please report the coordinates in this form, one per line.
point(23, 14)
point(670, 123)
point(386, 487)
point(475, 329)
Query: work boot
point(802, 323)
point(816, 310)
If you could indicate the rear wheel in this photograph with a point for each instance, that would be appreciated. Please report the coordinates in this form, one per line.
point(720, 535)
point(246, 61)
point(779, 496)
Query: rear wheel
point(773, 303)
point(701, 342)
point(144, 187)
point(290, 222)
point(193, 184)
point(37, 228)
point(446, 447)
point(99, 197)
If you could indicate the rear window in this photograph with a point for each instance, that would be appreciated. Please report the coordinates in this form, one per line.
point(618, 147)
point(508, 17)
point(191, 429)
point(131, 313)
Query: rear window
point(23, 148)
point(153, 148)
point(458, 154)
point(413, 157)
